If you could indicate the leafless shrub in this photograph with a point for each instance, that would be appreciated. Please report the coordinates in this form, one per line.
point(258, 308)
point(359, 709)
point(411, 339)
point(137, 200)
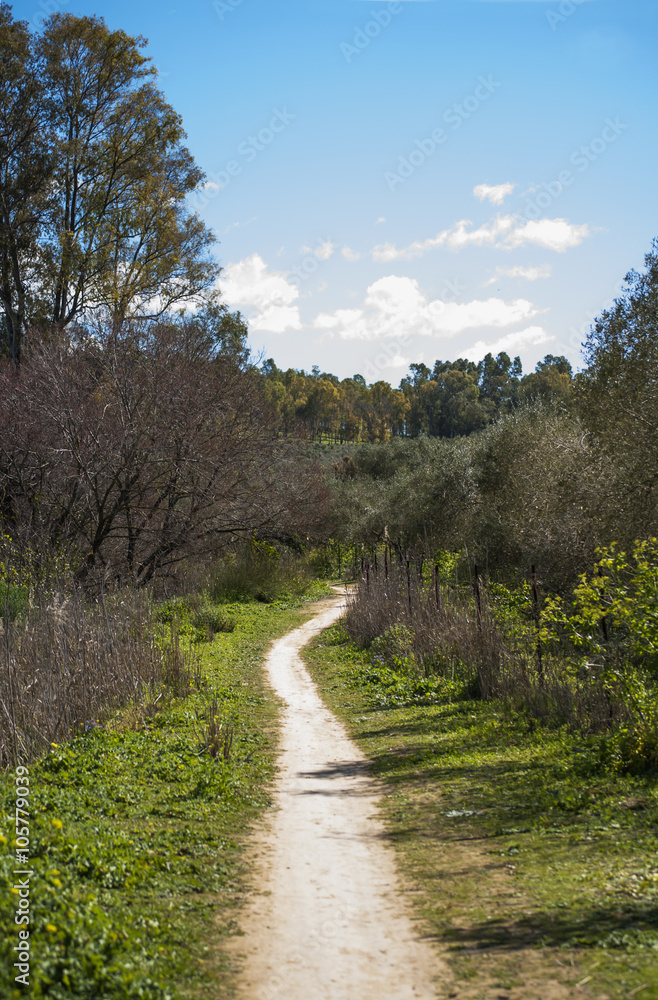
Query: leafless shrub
point(136, 451)
point(442, 628)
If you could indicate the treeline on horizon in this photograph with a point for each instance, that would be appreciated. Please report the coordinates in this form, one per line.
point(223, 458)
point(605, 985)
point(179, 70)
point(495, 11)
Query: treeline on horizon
point(451, 399)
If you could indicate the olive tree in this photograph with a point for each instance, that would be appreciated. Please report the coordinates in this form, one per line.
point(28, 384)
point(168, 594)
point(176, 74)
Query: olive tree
point(618, 399)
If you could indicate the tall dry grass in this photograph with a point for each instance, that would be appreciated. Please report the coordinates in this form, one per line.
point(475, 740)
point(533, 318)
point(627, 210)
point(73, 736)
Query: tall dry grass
point(66, 664)
point(438, 628)
point(453, 632)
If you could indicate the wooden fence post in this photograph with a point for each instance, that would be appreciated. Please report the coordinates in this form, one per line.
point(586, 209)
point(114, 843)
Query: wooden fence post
point(604, 620)
point(535, 612)
point(478, 600)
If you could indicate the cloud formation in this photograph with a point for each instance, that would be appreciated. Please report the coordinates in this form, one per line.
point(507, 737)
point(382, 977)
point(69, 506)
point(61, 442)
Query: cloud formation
point(552, 234)
point(526, 273)
point(495, 193)
point(505, 232)
point(511, 343)
point(395, 305)
point(323, 251)
point(267, 297)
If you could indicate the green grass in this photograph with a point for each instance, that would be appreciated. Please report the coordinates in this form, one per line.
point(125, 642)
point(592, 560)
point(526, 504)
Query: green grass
point(528, 860)
point(136, 833)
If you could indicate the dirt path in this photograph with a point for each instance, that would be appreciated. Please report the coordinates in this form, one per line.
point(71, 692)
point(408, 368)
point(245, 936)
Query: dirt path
point(328, 922)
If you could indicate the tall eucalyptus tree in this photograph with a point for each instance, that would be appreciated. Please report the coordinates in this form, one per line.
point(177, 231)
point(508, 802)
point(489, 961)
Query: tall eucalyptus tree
point(94, 180)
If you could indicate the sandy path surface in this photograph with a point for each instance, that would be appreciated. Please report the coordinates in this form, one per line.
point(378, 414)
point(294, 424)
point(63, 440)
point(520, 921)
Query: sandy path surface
point(327, 922)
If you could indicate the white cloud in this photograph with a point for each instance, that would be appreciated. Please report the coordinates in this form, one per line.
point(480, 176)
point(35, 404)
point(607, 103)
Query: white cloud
point(380, 219)
point(511, 343)
point(527, 273)
point(339, 318)
point(505, 232)
point(323, 251)
point(455, 238)
point(552, 234)
point(396, 306)
point(496, 193)
point(267, 297)
point(397, 360)
point(350, 254)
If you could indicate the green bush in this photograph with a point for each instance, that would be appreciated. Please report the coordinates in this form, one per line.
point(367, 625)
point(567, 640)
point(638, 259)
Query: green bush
point(389, 688)
point(196, 618)
point(258, 571)
point(608, 633)
point(210, 618)
point(395, 645)
point(14, 600)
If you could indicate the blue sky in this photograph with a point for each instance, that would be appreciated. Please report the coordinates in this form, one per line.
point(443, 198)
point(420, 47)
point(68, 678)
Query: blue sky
point(399, 182)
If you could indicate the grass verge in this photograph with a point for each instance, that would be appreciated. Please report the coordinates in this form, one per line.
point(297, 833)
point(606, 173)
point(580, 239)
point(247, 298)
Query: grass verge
point(536, 872)
point(136, 832)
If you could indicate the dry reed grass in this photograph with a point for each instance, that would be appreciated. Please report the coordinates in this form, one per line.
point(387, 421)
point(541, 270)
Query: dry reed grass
point(67, 664)
point(452, 632)
point(440, 628)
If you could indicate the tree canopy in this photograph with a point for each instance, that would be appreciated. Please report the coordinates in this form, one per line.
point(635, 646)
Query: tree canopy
point(93, 180)
point(451, 399)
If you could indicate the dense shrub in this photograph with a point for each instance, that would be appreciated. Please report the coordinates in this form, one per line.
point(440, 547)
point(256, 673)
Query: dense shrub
point(259, 571)
point(532, 488)
point(587, 662)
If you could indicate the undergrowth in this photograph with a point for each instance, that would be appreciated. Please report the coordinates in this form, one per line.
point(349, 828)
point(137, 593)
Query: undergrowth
point(587, 660)
point(136, 828)
point(528, 857)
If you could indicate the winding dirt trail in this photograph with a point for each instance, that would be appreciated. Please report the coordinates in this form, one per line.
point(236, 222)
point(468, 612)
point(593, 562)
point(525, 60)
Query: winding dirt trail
point(327, 922)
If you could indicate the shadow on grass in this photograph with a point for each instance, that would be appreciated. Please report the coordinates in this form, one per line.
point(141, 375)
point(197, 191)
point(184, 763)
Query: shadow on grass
point(619, 926)
point(461, 733)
